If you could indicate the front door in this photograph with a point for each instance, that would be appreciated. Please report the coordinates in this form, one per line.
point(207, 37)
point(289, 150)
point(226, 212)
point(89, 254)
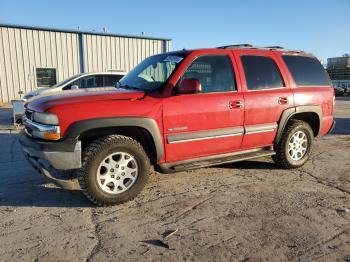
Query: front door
point(209, 122)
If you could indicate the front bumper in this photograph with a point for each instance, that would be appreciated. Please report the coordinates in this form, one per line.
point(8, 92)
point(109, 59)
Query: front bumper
point(61, 155)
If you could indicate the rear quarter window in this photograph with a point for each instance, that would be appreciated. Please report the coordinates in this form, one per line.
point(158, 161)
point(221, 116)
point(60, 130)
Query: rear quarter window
point(306, 71)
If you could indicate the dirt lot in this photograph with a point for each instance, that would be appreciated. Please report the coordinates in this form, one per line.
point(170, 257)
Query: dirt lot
point(249, 211)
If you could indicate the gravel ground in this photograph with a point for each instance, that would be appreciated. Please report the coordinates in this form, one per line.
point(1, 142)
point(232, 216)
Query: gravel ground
point(248, 211)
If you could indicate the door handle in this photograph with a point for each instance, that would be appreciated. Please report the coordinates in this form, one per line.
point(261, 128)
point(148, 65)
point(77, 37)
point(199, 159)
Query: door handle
point(283, 100)
point(235, 104)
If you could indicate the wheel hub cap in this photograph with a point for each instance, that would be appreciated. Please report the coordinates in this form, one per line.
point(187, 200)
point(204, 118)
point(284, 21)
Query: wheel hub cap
point(297, 146)
point(117, 173)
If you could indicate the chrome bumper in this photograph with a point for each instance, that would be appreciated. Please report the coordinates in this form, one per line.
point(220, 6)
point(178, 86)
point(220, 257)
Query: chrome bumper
point(32, 128)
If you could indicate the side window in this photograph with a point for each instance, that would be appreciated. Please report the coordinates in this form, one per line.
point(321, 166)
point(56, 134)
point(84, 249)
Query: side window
point(75, 83)
point(91, 81)
point(110, 80)
point(261, 72)
point(214, 72)
point(45, 77)
point(306, 71)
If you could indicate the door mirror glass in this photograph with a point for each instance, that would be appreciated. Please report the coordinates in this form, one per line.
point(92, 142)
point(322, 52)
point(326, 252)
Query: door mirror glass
point(190, 86)
point(73, 87)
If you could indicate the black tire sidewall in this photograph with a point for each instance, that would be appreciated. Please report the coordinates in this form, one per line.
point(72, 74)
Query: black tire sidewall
point(93, 164)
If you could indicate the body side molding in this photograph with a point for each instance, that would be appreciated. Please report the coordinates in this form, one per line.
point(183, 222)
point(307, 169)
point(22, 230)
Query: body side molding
point(261, 128)
point(149, 124)
point(201, 135)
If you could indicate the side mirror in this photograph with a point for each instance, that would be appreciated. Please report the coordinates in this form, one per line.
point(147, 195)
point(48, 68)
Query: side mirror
point(190, 86)
point(73, 87)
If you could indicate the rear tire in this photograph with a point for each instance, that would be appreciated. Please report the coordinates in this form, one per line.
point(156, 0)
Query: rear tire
point(114, 170)
point(295, 145)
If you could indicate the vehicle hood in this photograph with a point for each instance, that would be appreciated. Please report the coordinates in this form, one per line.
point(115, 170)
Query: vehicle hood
point(42, 102)
point(42, 90)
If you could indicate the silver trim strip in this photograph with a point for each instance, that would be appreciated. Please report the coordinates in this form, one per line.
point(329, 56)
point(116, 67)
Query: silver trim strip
point(202, 135)
point(219, 133)
point(260, 131)
point(203, 138)
point(262, 128)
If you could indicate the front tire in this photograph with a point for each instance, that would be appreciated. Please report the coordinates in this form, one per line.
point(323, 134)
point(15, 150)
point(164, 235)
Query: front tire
point(295, 145)
point(114, 170)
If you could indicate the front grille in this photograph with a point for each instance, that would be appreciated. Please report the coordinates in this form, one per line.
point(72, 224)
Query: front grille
point(29, 114)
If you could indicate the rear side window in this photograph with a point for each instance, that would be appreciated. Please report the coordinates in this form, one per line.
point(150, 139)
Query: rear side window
point(306, 71)
point(110, 80)
point(261, 72)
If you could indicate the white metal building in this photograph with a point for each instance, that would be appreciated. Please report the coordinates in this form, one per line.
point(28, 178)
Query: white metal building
point(31, 57)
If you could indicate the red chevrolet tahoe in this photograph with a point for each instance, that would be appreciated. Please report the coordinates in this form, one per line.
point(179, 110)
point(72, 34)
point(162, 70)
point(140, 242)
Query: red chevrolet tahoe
point(182, 110)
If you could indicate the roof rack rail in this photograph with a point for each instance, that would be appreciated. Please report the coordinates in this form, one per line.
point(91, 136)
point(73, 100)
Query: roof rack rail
point(274, 47)
point(236, 46)
point(249, 46)
point(283, 49)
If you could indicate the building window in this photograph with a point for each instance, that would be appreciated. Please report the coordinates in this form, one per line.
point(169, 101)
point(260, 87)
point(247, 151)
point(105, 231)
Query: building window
point(45, 77)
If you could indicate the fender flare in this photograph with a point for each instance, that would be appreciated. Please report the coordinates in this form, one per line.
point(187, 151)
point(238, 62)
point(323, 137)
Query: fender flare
point(289, 112)
point(149, 124)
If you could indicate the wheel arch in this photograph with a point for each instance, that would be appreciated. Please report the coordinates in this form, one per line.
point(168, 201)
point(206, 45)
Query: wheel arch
point(311, 114)
point(144, 130)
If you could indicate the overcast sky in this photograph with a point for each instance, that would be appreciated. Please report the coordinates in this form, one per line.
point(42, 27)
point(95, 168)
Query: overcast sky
point(320, 27)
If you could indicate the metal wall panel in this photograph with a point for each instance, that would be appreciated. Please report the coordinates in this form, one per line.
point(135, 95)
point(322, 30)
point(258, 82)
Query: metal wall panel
point(23, 49)
point(106, 53)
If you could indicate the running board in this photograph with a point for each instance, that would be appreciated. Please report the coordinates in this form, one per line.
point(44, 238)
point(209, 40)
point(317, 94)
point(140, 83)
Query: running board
point(216, 160)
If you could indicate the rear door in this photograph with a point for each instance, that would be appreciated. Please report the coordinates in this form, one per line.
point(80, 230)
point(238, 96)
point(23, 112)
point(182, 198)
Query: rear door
point(206, 123)
point(266, 94)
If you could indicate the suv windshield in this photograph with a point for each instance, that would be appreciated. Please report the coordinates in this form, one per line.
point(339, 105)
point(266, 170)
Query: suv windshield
point(151, 73)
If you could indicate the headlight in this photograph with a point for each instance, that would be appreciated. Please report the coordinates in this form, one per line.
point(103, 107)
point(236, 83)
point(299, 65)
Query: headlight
point(45, 118)
point(41, 125)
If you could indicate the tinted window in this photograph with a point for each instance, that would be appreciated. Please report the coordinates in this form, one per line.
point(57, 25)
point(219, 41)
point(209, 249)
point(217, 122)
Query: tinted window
point(110, 80)
point(215, 73)
point(45, 77)
point(91, 81)
point(261, 73)
point(306, 71)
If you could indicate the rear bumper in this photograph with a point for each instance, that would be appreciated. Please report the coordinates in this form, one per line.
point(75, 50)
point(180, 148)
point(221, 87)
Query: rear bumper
point(59, 155)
